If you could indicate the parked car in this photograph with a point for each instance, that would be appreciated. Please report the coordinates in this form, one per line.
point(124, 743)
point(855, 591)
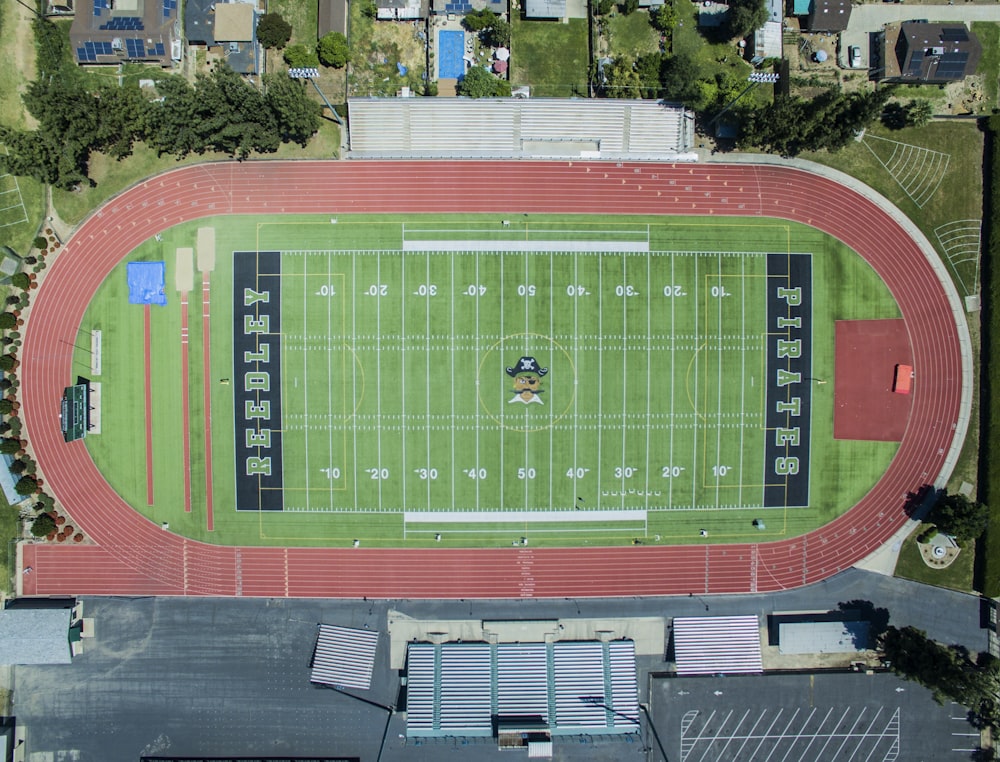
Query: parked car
point(854, 56)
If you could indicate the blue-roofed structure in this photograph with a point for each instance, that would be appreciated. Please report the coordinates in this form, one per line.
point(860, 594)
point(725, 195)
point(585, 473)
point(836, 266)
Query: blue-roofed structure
point(114, 31)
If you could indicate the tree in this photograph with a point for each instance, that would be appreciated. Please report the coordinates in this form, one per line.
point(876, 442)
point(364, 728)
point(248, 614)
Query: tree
point(21, 281)
point(7, 364)
point(17, 467)
point(663, 19)
point(7, 321)
point(604, 7)
point(679, 76)
point(26, 485)
point(479, 83)
point(333, 50)
point(296, 114)
point(476, 21)
point(745, 17)
point(621, 80)
point(43, 525)
point(298, 56)
point(918, 112)
point(497, 35)
point(960, 517)
point(273, 31)
point(628, 7)
point(9, 446)
point(894, 116)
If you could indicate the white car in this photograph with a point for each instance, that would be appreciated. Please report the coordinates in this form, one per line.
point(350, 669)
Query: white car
point(854, 56)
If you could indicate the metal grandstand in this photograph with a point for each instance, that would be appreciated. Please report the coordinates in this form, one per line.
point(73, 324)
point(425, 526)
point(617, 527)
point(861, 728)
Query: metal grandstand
point(718, 645)
point(344, 657)
point(515, 128)
point(472, 689)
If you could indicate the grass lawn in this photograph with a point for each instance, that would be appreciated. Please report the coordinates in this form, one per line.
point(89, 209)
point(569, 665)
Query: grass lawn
point(550, 57)
point(8, 531)
point(404, 401)
point(377, 50)
point(301, 15)
point(631, 35)
point(989, 64)
point(958, 576)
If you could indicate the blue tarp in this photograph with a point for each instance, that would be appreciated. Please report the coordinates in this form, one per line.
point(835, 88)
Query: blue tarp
point(146, 283)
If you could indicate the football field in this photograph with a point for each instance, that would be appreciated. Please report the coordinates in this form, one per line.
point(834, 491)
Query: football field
point(568, 379)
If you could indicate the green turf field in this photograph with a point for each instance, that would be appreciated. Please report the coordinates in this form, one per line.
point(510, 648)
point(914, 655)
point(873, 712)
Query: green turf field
point(403, 415)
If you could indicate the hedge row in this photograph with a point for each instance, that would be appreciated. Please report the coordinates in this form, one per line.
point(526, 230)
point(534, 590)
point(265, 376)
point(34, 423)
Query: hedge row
point(989, 476)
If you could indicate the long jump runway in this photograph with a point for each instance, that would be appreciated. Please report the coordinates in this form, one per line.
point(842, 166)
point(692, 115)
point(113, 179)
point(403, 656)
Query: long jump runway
point(133, 556)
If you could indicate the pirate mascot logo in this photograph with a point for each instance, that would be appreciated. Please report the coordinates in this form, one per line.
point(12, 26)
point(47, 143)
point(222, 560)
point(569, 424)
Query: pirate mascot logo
point(527, 381)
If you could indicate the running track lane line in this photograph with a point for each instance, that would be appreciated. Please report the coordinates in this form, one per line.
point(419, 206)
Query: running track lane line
point(134, 556)
point(206, 381)
point(185, 402)
point(147, 362)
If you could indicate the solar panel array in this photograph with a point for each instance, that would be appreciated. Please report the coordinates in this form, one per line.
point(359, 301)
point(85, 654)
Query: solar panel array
point(135, 48)
point(168, 7)
point(955, 34)
point(124, 24)
point(458, 7)
point(91, 50)
point(99, 5)
point(952, 65)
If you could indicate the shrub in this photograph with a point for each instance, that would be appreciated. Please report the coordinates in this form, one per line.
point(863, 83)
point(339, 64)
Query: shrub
point(20, 280)
point(273, 31)
point(333, 50)
point(298, 56)
point(39, 242)
point(26, 485)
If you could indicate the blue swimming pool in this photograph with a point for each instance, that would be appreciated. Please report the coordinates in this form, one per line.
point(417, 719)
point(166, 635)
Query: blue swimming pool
point(451, 65)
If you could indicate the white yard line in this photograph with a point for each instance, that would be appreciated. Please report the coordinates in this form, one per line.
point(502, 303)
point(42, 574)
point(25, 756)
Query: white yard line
point(378, 368)
point(673, 374)
point(552, 330)
point(624, 390)
point(718, 386)
point(743, 372)
point(329, 373)
point(427, 382)
point(305, 373)
point(402, 372)
point(576, 389)
point(694, 387)
point(452, 375)
point(599, 467)
point(478, 406)
point(649, 360)
point(354, 372)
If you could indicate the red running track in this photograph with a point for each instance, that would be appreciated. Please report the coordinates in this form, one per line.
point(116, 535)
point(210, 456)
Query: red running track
point(133, 556)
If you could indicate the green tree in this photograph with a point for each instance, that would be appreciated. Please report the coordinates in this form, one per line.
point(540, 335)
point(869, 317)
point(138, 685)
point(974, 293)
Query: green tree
point(7, 321)
point(960, 517)
point(679, 76)
point(479, 83)
point(628, 7)
point(333, 50)
point(621, 80)
point(296, 114)
point(7, 363)
point(20, 280)
point(497, 35)
point(745, 17)
point(43, 525)
point(894, 116)
point(476, 21)
point(604, 7)
point(664, 18)
point(369, 8)
point(273, 31)
point(10, 446)
point(298, 56)
point(918, 112)
point(17, 467)
point(26, 485)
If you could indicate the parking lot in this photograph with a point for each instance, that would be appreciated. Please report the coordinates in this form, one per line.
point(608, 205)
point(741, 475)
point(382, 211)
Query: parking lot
point(807, 717)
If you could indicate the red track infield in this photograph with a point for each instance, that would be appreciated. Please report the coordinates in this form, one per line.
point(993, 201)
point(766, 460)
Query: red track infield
point(133, 556)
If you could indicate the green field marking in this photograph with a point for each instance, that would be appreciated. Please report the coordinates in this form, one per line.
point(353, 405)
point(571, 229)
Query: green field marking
point(428, 373)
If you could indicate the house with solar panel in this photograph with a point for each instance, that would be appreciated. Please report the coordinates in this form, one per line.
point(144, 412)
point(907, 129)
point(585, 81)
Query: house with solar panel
point(929, 53)
point(116, 31)
point(461, 7)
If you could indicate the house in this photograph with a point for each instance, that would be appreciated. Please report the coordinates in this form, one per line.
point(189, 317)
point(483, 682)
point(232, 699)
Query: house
point(917, 51)
point(114, 31)
point(828, 15)
point(442, 7)
point(331, 16)
point(227, 29)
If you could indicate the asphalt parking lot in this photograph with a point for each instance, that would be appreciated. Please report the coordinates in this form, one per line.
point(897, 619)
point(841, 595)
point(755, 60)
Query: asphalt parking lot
point(815, 717)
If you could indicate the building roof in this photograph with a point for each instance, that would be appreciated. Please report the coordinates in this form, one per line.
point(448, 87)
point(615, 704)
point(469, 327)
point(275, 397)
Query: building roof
point(234, 22)
point(344, 657)
point(829, 637)
point(829, 15)
point(35, 636)
point(725, 645)
point(331, 16)
point(458, 689)
point(112, 31)
point(545, 9)
point(937, 53)
point(199, 22)
point(519, 128)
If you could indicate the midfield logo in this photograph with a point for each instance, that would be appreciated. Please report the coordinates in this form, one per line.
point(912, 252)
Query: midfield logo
point(527, 381)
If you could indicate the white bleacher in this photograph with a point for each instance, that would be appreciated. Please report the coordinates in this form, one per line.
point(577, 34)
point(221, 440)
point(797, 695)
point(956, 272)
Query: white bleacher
point(457, 128)
point(420, 687)
point(579, 675)
point(624, 683)
point(344, 657)
point(466, 687)
point(522, 680)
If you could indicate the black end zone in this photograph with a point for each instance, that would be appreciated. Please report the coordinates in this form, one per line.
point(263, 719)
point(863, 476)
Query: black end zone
point(257, 380)
point(789, 380)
